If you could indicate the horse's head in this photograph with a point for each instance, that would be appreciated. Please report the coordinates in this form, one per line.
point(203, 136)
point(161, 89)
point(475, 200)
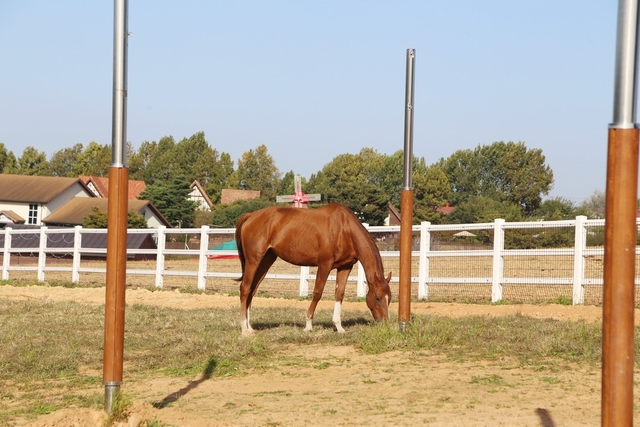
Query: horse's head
point(379, 298)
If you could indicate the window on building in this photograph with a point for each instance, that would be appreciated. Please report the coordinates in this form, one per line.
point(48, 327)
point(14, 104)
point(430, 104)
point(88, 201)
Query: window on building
point(33, 213)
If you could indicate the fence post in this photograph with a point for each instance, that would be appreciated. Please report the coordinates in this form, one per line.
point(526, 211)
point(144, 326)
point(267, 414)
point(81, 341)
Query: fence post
point(361, 286)
point(162, 238)
point(77, 246)
point(6, 255)
point(578, 260)
point(202, 260)
point(42, 256)
point(498, 247)
point(423, 265)
point(304, 281)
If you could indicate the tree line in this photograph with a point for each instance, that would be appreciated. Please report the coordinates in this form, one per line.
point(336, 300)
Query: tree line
point(500, 180)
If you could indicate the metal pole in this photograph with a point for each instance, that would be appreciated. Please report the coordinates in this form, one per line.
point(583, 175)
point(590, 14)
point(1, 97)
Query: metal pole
point(620, 229)
point(117, 216)
point(119, 123)
point(406, 199)
point(408, 120)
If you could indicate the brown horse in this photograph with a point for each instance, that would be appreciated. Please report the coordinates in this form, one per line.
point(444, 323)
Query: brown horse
point(328, 237)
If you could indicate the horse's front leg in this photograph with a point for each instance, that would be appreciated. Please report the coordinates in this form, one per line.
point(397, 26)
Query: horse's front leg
point(341, 283)
point(318, 288)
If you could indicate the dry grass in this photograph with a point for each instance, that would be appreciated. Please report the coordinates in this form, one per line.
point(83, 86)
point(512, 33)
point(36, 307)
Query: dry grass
point(39, 373)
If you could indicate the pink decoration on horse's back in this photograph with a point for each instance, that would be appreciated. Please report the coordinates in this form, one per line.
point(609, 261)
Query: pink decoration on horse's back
point(330, 237)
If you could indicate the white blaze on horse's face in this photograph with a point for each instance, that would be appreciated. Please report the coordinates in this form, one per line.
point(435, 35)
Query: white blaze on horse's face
point(378, 301)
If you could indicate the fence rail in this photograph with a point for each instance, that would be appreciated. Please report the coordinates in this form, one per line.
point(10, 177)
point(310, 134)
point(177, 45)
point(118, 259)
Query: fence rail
point(496, 261)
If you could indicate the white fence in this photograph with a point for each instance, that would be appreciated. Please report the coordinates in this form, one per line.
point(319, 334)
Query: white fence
point(496, 261)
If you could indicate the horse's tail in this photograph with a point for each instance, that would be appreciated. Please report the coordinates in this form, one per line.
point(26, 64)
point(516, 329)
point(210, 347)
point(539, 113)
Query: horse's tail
point(241, 221)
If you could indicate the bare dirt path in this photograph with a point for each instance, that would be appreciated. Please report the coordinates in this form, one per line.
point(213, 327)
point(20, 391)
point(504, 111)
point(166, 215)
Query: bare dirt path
point(340, 386)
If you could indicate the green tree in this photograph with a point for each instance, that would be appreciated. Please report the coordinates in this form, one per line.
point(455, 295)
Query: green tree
point(221, 178)
point(11, 164)
point(140, 159)
point(257, 171)
point(65, 162)
point(430, 190)
point(287, 184)
point(96, 219)
point(462, 172)
point(226, 216)
point(354, 180)
point(202, 217)
point(94, 160)
point(4, 156)
point(161, 165)
point(505, 172)
point(135, 220)
point(595, 204)
point(172, 199)
point(559, 208)
point(192, 158)
point(210, 168)
point(33, 162)
point(430, 186)
point(99, 219)
point(192, 155)
point(482, 209)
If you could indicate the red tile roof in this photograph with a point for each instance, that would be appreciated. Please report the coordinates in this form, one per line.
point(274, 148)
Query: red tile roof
point(101, 184)
point(229, 195)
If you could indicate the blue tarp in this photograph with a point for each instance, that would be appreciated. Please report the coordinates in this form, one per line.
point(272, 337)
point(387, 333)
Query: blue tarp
point(226, 246)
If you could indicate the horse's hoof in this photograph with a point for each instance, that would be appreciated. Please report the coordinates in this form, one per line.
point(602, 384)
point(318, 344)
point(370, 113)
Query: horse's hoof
point(307, 329)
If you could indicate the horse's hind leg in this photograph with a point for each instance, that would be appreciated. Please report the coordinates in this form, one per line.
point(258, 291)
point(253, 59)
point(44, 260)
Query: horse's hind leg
point(248, 289)
point(341, 283)
point(245, 297)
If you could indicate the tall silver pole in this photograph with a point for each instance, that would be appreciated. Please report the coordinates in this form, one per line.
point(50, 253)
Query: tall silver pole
point(408, 120)
point(119, 123)
point(624, 97)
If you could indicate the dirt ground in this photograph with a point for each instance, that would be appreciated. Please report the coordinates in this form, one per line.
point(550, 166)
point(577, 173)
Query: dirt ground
point(345, 387)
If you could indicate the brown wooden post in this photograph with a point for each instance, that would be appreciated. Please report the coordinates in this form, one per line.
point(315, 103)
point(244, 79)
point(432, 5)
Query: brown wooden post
point(116, 282)
point(406, 237)
point(619, 277)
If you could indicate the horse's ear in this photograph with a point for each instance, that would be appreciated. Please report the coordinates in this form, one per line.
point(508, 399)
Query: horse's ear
point(388, 278)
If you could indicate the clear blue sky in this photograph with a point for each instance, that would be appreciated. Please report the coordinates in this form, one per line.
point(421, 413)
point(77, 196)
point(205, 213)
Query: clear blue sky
point(315, 79)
